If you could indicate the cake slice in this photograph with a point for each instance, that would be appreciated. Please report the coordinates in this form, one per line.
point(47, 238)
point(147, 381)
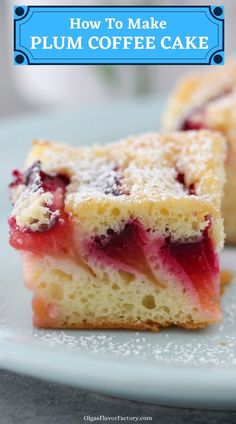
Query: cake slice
point(125, 235)
point(208, 100)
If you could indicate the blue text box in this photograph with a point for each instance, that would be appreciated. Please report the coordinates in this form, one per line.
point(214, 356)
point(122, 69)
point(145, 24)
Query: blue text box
point(118, 35)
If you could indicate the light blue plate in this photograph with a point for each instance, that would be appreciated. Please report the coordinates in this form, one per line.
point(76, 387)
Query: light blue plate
point(174, 367)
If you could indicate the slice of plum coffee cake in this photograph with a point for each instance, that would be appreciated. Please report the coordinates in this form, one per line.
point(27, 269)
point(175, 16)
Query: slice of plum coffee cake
point(208, 100)
point(124, 235)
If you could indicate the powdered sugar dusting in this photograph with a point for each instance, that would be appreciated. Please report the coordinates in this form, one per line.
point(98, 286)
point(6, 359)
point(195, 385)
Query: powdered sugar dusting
point(97, 178)
point(144, 166)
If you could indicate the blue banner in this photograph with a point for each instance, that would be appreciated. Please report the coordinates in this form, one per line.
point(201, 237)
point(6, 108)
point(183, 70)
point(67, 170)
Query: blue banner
point(57, 35)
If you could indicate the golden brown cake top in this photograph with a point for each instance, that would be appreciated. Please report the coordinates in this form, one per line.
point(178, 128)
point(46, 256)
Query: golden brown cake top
point(153, 177)
point(140, 167)
point(215, 88)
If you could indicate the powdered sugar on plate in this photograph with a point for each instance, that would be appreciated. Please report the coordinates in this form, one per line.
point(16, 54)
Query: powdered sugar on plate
point(214, 346)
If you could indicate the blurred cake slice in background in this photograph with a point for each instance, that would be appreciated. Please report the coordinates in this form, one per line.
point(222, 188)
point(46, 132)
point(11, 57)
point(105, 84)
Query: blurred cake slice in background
point(208, 100)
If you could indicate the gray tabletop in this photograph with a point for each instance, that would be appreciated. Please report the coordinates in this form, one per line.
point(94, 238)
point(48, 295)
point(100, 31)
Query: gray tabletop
point(27, 400)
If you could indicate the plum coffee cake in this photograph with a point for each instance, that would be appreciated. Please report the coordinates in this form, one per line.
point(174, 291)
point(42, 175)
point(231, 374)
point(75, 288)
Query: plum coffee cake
point(124, 235)
point(208, 100)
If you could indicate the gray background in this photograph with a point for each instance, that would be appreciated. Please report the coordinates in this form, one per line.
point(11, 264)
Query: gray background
point(25, 88)
point(25, 401)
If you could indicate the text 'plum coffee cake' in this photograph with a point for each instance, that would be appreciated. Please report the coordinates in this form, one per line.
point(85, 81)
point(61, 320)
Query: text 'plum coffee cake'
point(125, 235)
point(208, 100)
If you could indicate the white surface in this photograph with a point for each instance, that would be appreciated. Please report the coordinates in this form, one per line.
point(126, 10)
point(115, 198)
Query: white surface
point(39, 86)
point(173, 367)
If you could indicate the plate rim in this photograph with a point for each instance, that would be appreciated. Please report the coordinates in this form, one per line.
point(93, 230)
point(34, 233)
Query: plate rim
point(167, 385)
point(212, 386)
